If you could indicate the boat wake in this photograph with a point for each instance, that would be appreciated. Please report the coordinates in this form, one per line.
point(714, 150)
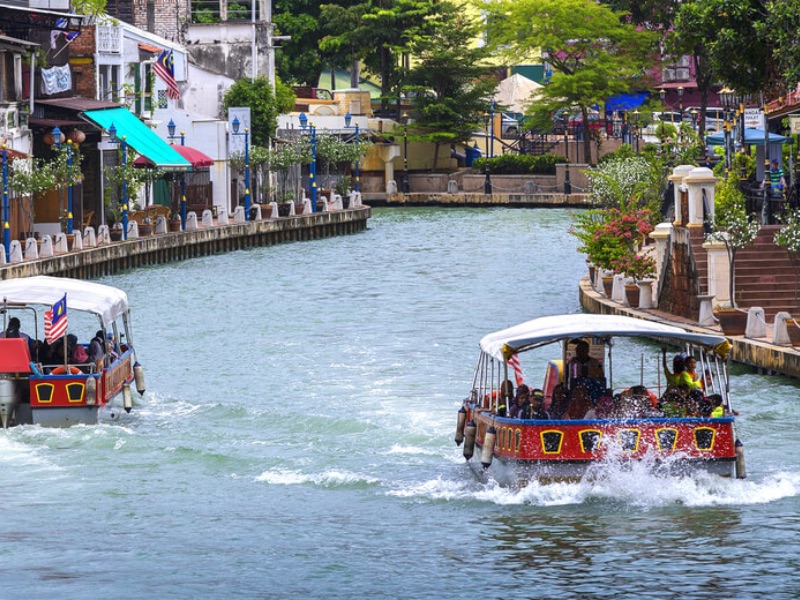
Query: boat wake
point(634, 485)
point(330, 479)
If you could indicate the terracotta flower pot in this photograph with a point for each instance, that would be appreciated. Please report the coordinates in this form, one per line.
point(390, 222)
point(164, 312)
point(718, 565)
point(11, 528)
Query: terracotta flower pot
point(732, 321)
point(608, 285)
point(632, 295)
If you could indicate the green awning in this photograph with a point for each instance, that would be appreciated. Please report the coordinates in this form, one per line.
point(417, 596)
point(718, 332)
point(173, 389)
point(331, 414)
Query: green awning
point(139, 137)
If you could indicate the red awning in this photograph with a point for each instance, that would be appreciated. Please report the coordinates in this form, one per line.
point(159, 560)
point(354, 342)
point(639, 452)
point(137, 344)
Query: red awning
point(13, 154)
point(194, 156)
point(14, 355)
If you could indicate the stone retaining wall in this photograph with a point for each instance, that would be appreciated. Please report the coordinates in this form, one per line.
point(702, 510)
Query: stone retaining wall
point(169, 247)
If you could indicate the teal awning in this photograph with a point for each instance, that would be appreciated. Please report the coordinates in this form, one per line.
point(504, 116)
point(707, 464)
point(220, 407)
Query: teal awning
point(139, 137)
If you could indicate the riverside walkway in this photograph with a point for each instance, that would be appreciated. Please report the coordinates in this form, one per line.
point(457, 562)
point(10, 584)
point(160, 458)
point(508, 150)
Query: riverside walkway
point(759, 353)
point(109, 258)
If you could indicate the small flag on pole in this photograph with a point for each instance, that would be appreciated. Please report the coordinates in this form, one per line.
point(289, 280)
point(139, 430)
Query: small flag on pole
point(55, 321)
point(513, 362)
point(165, 68)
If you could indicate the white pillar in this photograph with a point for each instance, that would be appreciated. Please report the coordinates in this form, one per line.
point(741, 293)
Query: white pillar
point(700, 183)
point(661, 236)
point(678, 173)
point(719, 273)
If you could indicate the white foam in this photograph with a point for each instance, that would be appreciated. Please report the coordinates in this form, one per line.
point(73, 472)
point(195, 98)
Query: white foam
point(330, 478)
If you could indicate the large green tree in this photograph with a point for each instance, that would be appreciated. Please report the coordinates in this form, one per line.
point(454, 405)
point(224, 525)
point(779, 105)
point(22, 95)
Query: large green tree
point(376, 32)
point(265, 105)
point(450, 80)
point(594, 51)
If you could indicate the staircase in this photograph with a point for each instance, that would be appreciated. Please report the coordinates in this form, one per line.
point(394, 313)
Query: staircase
point(765, 275)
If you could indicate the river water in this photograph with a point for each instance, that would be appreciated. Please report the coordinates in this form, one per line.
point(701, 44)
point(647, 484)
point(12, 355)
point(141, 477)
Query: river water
point(295, 441)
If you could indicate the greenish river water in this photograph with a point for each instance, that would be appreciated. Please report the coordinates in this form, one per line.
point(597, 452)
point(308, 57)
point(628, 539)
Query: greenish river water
point(296, 442)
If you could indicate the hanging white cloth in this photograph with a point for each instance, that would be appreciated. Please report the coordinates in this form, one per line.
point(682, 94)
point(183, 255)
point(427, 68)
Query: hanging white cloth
point(56, 80)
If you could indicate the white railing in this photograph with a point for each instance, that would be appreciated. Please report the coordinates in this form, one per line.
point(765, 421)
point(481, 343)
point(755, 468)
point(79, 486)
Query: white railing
point(109, 39)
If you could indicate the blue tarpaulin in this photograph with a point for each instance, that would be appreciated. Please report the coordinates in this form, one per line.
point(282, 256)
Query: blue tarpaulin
point(625, 101)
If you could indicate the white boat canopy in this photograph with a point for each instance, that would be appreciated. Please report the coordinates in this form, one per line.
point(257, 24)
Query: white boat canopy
point(105, 301)
point(545, 330)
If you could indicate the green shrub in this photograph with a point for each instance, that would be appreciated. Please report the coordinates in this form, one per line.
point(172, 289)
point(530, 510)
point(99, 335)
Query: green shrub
point(520, 164)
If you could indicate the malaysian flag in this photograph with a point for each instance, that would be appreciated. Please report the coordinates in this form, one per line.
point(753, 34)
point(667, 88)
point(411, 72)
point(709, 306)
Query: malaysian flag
point(513, 362)
point(164, 68)
point(55, 321)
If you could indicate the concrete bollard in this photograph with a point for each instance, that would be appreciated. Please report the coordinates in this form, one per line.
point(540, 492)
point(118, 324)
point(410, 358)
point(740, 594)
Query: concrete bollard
point(161, 224)
point(46, 248)
point(208, 218)
point(133, 230)
point(780, 333)
point(16, 251)
point(272, 209)
point(222, 216)
point(3, 254)
point(322, 206)
point(306, 207)
point(706, 316)
point(60, 245)
point(391, 187)
point(89, 237)
point(292, 212)
point(238, 215)
point(77, 241)
point(618, 290)
point(756, 323)
point(337, 202)
point(452, 186)
point(191, 221)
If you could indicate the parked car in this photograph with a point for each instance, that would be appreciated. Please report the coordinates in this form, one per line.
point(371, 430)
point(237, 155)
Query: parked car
point(510, 125)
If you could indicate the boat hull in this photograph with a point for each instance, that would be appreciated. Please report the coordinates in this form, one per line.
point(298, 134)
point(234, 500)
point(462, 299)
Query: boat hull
point(528, 450)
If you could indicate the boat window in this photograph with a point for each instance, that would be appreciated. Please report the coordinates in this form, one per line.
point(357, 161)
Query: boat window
point(44, 392)
point(628, 439)
point(666, 438)
point(75, 391)
point(551, 442)
point(704, 438)
point(517, 439)
point(590, 440)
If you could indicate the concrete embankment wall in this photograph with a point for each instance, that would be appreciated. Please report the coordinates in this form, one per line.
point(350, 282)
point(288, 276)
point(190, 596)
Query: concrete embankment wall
point(483, 200)
point(169, 247)
point(760, 354)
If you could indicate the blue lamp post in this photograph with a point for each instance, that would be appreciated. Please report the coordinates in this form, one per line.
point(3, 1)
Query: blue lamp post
point(6, 226)
point(347, 119)
point(171, 128)
point(235, 125)
point(112, 132)
point(312, 167)
point(57, 144)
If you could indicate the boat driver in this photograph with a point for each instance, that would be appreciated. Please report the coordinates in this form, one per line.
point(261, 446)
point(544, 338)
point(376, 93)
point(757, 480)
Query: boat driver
point(586, 371)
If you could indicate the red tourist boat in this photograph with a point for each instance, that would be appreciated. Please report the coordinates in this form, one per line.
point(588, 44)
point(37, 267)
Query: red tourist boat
point(64, 383)
point(585, 419)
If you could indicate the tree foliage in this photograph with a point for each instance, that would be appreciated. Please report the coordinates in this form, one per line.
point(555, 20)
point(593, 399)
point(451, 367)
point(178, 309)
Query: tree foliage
point(451, 79)
point(265, 105)
point(594, 52)
point(377, 32)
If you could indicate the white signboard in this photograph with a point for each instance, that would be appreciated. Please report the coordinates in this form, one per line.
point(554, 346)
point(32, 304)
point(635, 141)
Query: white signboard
point(794, 124)
point(754, 118)
point(236, 142)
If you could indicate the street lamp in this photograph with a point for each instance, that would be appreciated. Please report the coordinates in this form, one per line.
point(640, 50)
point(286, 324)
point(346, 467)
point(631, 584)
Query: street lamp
point(112, 133)
point(728, 98)
point(487, 185)
point(347, 119)
point(636, 130)
point(235, 125)
point(567, 183)
point(57, 143)
point(680, 101)
point(405, 153)
point(171, 129)
point(312, 167)
point(6, 226)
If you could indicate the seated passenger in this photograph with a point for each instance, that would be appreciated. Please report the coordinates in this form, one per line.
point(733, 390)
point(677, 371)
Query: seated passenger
point(521, 404)
point(96, 351)
point(673, 402)
point(678, 366)
point(12, 331)
point(717, 411)
point(580, 404)
point(559, 404)
point(536, 407)
point(689, 376)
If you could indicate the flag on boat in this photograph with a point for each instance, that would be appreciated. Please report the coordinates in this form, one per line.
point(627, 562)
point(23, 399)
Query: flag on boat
point(165, 68)
point(513, 362)
point(55, 321)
